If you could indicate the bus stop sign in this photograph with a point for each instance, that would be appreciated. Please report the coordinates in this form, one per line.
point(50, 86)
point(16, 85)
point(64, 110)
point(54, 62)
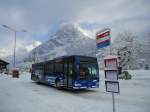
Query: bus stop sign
point(111, 74)
point(103, 38)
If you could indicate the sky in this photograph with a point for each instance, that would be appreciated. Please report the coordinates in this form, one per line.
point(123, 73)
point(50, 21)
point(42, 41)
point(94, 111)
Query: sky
point(42, 19)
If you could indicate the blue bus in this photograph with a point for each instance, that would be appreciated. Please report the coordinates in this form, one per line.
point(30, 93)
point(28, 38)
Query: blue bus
point(71, 72)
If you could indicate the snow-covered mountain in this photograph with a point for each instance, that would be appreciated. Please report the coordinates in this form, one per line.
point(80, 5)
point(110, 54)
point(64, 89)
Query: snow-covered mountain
point(68, 40)
point(71, 40)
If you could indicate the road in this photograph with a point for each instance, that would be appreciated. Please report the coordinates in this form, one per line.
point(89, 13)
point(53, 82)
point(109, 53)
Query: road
point(24, 95)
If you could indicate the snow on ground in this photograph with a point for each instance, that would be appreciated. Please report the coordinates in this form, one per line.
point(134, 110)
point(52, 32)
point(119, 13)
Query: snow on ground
point(24, 95)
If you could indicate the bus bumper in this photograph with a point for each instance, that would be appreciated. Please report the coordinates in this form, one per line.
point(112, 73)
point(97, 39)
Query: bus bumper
point(86, 84)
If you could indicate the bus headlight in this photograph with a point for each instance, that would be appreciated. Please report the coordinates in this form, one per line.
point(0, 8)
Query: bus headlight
point(94, 80)
point(77, 84)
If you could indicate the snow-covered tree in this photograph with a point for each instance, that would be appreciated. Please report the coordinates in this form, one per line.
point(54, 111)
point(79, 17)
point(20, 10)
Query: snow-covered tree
point(144, 52)
point(127, 46)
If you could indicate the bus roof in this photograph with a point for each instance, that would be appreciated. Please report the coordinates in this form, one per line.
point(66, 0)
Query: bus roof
point(68, 56)
point(74, 56)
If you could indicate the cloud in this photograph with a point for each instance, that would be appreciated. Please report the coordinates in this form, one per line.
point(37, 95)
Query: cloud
point(32, 46)
point(41, 18)
point(2, 51)
point(119, 15)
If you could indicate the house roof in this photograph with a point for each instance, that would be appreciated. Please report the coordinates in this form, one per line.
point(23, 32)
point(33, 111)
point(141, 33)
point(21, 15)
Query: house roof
point(3, 62)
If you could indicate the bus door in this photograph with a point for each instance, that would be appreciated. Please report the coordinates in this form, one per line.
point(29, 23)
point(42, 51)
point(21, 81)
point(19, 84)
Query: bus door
point(65, 73)
point(68, 74)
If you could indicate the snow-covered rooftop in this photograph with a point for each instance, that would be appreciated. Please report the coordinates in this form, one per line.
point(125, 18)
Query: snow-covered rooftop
point(111, 57)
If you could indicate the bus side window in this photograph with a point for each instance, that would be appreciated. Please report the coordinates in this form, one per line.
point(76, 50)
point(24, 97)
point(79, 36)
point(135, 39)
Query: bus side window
point(58, 68)
point(49, 68)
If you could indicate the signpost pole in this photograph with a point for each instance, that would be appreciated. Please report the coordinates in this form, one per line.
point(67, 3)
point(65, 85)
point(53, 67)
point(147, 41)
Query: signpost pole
point(113, 101)
point(113, 95)
point(110, 43)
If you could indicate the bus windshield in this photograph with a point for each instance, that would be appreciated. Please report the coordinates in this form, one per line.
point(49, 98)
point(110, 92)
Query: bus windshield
point(88, 71)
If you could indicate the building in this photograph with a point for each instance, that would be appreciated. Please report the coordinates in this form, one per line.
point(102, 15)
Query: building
point(3, 65)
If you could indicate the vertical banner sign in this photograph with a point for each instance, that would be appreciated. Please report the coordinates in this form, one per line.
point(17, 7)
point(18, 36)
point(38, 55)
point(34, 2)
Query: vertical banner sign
point(111, 73)
point(103, 38)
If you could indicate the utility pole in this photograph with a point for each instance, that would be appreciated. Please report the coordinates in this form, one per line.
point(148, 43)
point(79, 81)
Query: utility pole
point(15, 33)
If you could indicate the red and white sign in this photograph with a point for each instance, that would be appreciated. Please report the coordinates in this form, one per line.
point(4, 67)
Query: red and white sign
point(111, 61)
point(103, 38)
